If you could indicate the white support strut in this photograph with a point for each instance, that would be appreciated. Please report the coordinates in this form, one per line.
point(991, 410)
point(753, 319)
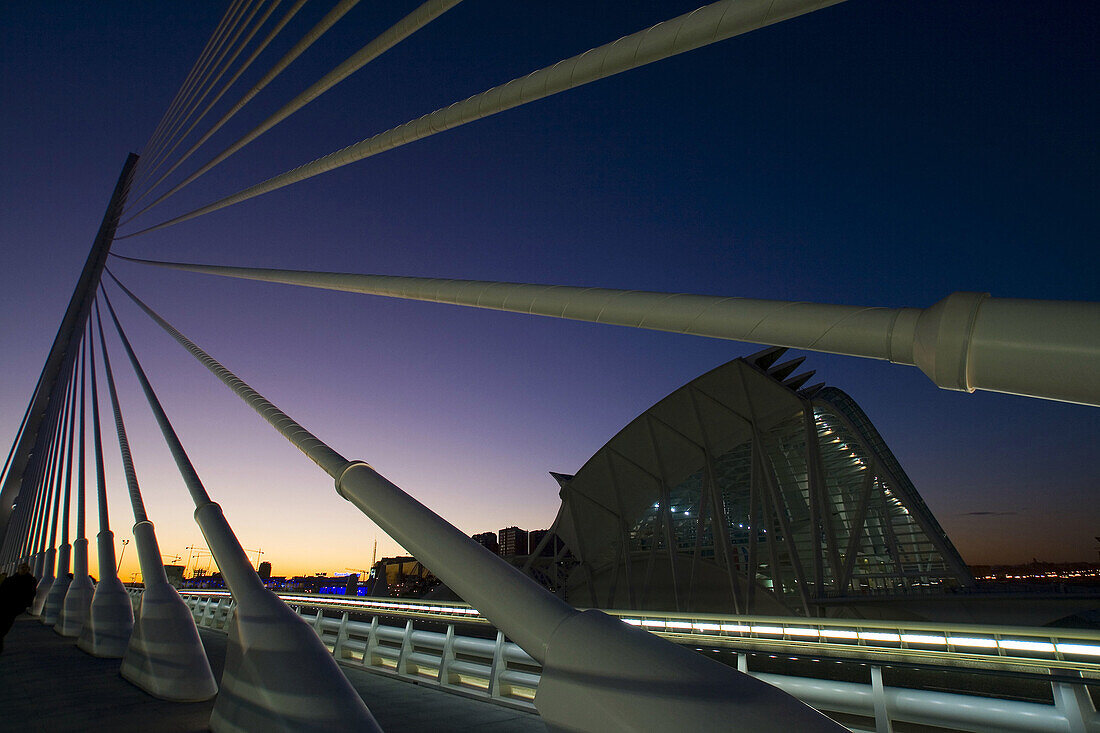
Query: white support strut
point(967, 341)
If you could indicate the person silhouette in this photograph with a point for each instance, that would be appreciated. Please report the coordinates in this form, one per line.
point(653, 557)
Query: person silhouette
point(16, 593)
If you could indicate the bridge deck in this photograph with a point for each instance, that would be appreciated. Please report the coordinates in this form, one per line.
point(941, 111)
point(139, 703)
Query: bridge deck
point(47, 684)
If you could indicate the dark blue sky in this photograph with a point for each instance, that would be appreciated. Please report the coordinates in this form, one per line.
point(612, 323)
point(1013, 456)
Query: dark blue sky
point(870, 153)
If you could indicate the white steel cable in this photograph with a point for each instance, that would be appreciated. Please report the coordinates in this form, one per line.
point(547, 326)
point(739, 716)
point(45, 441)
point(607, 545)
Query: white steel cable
point(244, 67)
point(966, 341)
point(414, 21)
point(185, 93)
point(221, 65)
point(225, 87)
point(303, 43)
point(709, 24)
point(185, 84)
point(199, 82)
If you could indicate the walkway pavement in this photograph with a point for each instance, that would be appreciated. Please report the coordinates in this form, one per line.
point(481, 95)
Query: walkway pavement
point(48, 685)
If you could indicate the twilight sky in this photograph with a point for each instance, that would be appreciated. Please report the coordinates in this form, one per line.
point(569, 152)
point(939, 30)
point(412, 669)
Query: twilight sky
point(871, 153)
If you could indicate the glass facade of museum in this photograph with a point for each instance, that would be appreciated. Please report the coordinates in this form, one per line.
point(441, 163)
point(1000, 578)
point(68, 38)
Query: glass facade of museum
point(741, 492)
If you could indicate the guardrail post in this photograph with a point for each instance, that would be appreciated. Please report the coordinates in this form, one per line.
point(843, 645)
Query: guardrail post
point(230, 612)
point(498, 667)
point(1073, 701)
point(372, 644)
point(878, 694)
point(319, 624)
point(341, 637)
point(447, 656)
point(406, 649)
point(743, 662)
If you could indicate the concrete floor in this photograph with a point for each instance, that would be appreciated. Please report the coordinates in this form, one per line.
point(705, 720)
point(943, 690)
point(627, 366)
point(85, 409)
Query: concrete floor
point(48, 685)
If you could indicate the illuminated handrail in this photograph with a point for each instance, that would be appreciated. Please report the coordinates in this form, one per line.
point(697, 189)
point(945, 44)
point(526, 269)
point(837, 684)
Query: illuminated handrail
point(1076, 649)
point(498, 671)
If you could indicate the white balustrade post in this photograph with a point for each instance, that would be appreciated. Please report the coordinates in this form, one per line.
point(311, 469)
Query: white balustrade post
point(498, 666)
point(230, 613)
point(406, 649)
point(370, 654)
point(341, 637)
point(446, 657)
point(1074, 702)
point(878, 694)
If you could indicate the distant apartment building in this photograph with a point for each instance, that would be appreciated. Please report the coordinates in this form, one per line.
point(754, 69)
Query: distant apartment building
point(513, 541)
point(488, 540)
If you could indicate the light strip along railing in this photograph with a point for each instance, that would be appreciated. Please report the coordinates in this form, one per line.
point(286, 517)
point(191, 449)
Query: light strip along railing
point(501, 673)
point(978, 646)
point(701, 27)
point(967, 341)
point(303, 43)
point(225, 87)
point(563, 640)
point(404, 28)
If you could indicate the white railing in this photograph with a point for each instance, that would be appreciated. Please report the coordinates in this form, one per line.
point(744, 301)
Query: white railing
point(498, 671)
point(495, 670)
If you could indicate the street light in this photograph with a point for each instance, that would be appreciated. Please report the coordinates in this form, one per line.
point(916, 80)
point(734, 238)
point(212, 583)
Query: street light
point(124, 543)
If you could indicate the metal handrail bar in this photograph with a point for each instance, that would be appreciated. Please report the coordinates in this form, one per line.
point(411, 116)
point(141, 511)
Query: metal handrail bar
point(1042, 650)
point(500, 672)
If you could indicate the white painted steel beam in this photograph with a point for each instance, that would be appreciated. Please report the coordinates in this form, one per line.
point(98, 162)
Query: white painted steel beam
point(78, 597)
point(164, 656)
point(599, 673)
point(111, 615)
point(278, 676)
point(967, 341)
point(55, 599)
point(48, 552)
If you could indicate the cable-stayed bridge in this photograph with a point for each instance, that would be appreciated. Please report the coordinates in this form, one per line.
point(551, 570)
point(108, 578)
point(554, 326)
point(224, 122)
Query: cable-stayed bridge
point(596, 672)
